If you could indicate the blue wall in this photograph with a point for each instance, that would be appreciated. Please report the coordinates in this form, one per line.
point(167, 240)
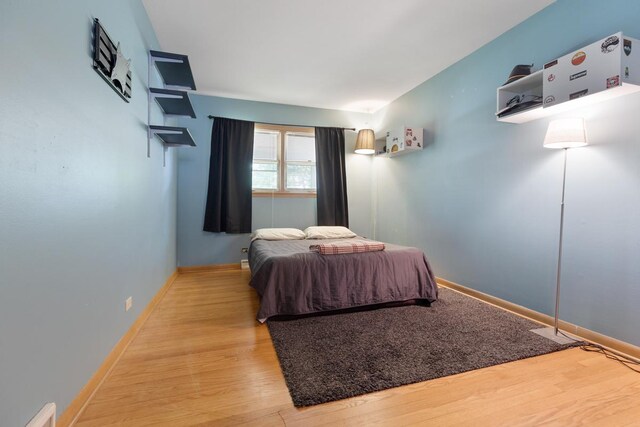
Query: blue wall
point(86, 219)
point(196, 247)
point(482, 199)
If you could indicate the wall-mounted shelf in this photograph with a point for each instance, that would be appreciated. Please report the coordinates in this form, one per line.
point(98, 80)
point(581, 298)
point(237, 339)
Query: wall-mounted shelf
point(175, 72)
point(174, 69)
point(401, 141)
point(173, 136)
point(600, 71)
point(173, 102)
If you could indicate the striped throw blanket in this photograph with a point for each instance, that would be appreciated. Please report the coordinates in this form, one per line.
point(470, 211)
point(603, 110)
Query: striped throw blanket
point(347, 247)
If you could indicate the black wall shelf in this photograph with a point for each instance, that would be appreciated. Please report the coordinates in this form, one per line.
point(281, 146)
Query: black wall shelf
point(174, 69)
point(175, 72)
point(173, 102)
point(173, 136)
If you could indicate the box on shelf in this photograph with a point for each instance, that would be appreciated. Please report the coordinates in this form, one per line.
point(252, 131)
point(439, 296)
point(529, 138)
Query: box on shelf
point(403, 140)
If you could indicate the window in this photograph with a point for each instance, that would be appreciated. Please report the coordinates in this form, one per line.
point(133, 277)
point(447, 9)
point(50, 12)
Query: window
point(265, 160)
point(300, 160)
point(284, 161)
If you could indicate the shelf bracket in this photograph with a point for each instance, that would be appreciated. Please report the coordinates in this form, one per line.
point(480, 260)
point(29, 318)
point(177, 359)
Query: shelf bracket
point(149, 134)
point(164, 156)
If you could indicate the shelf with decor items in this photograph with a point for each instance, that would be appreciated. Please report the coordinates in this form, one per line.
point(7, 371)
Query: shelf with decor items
point(173, 99)
point(401, 140)
point(603, 70)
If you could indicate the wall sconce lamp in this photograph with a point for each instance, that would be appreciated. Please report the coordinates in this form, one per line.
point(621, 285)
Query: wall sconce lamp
point(365, 142)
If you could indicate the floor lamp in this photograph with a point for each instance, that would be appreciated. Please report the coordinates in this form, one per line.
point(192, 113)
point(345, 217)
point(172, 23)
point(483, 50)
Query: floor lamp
point(565, 134)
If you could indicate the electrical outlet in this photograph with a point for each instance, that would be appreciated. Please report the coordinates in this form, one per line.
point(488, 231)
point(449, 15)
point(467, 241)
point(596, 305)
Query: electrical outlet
point(128, 303)
point(244, 250)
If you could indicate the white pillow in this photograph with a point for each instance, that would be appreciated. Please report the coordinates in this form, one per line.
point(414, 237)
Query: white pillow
point(324, 232)
point(278, 234)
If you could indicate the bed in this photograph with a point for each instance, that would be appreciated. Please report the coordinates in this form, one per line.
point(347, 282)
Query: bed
point(292, 280)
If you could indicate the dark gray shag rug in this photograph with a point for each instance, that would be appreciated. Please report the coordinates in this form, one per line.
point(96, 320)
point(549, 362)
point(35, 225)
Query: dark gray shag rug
point(332, 357)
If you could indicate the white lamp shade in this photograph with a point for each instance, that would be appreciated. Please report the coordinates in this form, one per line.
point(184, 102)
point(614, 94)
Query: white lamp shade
point(566, 133)
point(366, 141)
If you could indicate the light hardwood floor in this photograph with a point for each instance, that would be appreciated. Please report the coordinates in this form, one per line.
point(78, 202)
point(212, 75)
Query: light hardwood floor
point(201, 359)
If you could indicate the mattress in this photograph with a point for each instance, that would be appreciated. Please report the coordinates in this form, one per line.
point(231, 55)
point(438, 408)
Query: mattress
point(292, 280)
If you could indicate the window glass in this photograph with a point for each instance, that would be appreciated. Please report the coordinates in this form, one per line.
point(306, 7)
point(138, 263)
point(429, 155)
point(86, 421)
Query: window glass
point(300, 159)
point(265, 176)
point(284, 160)
point(301, 148)
point(265, 146)
point(301, 177)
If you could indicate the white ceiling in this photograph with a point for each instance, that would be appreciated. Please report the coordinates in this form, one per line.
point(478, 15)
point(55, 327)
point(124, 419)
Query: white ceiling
point(342, 54)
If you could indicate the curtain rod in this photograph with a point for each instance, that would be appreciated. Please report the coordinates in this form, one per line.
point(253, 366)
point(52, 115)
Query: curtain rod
point(285, 124)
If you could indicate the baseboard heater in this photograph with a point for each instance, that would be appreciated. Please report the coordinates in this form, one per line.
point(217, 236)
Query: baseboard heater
point(45, 418)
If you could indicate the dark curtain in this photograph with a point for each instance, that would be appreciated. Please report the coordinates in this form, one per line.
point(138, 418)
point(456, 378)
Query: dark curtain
point(331, 177)
point(229, 194)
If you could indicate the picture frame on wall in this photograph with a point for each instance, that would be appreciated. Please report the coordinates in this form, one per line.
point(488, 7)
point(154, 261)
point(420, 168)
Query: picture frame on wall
point(110, 63)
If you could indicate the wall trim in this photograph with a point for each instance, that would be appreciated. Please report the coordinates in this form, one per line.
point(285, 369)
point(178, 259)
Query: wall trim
point(208, 267)
point(77, 406)
point(612, 344)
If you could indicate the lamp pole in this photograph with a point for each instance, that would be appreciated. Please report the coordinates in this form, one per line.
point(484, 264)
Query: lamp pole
point(565, 134)
point(564, 180)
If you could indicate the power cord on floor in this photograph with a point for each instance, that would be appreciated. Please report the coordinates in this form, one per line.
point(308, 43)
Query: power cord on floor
point(596, 348)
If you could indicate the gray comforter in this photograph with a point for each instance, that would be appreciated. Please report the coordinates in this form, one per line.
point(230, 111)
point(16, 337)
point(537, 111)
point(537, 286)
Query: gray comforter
point(293, 280)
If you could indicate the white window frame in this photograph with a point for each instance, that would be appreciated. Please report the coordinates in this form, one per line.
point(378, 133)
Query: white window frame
point(282, 190)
